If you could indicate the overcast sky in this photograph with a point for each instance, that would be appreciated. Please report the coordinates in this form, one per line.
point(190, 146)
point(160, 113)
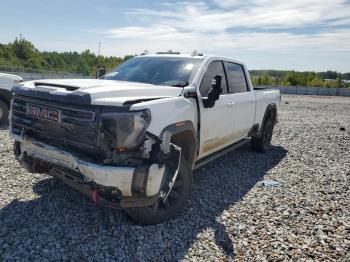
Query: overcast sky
point(265, 34)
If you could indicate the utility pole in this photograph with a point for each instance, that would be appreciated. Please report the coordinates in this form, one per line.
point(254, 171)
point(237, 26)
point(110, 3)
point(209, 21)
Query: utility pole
point(99, 48)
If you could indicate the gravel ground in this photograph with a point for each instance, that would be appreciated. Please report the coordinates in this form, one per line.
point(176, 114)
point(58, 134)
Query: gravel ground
point(230, 215)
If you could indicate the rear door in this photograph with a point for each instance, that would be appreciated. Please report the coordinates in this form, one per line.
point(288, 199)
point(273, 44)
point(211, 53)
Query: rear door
point(217, 122)
point(243, 99)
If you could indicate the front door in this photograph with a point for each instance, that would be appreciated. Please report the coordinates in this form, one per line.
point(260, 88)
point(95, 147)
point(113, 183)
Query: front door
point(217, 122)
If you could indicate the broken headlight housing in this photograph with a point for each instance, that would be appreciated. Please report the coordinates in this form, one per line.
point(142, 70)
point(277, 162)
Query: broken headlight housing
point(124, 130)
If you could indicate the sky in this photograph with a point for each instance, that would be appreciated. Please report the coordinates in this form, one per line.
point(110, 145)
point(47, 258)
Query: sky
point(265, 34)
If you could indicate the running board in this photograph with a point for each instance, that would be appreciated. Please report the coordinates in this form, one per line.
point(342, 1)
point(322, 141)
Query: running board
point(221, 152)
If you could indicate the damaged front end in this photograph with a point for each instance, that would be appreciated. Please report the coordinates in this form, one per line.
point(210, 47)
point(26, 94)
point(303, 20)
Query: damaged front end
point(104, 152)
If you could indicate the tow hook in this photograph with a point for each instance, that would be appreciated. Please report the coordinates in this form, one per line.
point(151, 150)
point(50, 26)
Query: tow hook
point(94, 195)
point(37, 167)
point(164, 195)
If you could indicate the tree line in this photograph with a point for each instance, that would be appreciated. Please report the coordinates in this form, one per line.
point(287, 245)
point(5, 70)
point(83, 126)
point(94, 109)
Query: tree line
point(22, 53)
point(330, 79)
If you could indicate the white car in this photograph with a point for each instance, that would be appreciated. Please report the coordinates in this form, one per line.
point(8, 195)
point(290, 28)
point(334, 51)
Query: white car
point(132, 138)
point(7, 81)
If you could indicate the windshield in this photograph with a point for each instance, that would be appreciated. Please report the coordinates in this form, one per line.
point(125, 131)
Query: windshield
point(172, 71)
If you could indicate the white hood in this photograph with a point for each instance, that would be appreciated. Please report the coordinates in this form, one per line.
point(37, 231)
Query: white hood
point(103, 92)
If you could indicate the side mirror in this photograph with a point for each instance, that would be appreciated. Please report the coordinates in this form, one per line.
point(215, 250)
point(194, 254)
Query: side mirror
point(214, 92)
point(100, 72)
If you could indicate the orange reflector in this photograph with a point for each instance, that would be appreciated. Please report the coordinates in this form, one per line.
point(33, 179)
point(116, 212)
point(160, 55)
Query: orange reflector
point(121, 149)
point(94, 196)
point(180, 124)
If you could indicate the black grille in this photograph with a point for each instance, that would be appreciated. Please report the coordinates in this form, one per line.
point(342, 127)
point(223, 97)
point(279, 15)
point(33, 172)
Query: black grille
point(76, 126)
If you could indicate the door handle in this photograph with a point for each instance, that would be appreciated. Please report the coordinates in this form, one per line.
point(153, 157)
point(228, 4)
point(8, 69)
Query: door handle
point(230, 104)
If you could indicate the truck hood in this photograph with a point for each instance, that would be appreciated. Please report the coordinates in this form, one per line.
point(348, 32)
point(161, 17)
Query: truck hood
point(95, 91)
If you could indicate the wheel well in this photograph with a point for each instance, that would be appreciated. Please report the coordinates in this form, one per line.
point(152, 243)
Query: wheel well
point(186, 140)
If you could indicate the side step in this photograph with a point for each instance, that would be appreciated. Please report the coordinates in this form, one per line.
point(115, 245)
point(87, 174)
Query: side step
point(221, 152)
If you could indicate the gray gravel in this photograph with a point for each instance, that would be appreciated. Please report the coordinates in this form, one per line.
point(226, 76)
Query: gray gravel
point(230, 216)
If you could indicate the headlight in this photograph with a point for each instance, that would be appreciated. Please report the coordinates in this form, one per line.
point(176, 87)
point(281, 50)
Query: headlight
point(124, 130)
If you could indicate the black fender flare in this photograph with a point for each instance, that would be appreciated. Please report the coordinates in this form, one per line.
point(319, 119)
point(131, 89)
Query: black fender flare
point(268, 109)
point(179, 127)
point(171, 130)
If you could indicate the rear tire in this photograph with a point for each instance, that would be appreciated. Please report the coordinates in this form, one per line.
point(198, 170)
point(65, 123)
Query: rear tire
point(175, 202)
point(4, 112)
point(262, 142)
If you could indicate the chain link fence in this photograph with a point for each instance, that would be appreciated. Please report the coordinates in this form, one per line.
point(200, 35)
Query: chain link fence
point(303, 90)
point(34, 74)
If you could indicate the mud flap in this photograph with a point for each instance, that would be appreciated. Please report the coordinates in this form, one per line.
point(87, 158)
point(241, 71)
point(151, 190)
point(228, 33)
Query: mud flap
point(172, 167)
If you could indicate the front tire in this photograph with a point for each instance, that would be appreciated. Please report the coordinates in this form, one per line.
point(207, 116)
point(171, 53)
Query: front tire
point(262, 142)
point(4, 112)
point(175, 202)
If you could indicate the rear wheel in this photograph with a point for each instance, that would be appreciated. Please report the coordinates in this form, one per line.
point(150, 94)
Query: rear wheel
point(4, 112)
point(262, 142)
point(174, 203)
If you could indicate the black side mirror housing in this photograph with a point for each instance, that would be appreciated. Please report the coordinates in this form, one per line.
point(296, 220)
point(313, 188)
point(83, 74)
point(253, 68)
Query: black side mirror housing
point(190, 93)
point(100, 72)
point(214, 92)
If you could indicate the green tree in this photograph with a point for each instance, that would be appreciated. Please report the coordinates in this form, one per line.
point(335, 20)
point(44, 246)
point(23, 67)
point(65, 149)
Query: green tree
point(23, 49)
point(316, 82)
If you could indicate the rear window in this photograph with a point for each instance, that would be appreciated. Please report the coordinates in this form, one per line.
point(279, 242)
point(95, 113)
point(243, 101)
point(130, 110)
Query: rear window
point(236, 78)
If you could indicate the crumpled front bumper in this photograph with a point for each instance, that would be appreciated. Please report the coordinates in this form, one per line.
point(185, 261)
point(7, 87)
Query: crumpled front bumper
point(122, 178)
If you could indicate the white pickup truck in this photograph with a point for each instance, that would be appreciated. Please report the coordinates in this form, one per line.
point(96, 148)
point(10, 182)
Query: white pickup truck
point(131, 138)
point(7, 81)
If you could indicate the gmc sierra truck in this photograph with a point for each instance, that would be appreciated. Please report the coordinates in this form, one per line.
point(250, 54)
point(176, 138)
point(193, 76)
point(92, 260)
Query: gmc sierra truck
point(131, 138)
point(7, 81)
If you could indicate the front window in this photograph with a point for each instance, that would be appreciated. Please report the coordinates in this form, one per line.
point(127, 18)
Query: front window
point(214, 68)
point(171, 71)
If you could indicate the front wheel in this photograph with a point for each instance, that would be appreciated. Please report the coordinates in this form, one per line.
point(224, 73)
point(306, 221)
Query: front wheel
point(171, 207)
point(262, 142)
point(4, 112)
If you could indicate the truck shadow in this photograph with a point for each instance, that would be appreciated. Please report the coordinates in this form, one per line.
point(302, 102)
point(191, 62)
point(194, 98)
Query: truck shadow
point(70, 226)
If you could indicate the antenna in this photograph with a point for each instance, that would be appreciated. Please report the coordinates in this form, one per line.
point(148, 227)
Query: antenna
point(195, 53)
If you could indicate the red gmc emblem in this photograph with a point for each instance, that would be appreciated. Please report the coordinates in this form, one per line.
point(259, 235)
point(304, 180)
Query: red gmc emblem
point(42, 112)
